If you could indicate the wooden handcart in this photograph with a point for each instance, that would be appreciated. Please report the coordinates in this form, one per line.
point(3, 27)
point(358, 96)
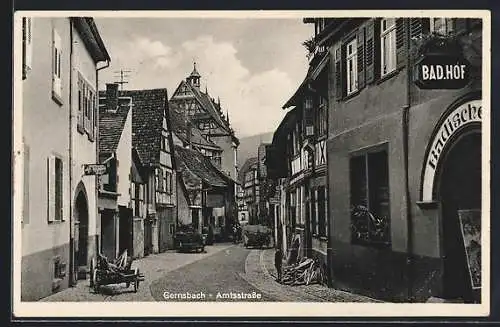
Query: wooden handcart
point(119, 271)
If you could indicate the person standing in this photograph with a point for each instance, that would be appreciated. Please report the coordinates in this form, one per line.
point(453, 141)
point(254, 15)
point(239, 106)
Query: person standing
point(278, 262)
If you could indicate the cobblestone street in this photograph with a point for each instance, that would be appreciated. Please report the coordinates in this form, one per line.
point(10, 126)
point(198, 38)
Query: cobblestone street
point(224, 273)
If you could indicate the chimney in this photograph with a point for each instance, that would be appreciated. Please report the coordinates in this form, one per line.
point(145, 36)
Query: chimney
point(112, 97)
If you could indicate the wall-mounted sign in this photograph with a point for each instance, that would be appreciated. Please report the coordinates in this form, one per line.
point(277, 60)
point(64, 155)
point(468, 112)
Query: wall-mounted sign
point(94, 169)
point(467, 113)
point(441, 72)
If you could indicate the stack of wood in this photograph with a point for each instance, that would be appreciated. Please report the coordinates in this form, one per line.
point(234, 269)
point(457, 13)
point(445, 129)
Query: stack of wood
point(307, 271)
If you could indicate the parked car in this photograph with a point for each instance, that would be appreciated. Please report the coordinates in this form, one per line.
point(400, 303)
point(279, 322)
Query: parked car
point(189, 239)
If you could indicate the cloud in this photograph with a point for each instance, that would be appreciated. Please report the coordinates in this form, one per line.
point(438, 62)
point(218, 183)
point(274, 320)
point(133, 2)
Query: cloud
point(254, 100)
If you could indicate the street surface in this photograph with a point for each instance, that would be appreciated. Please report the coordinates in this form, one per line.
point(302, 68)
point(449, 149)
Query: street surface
point(225, 273)
point(215, 278)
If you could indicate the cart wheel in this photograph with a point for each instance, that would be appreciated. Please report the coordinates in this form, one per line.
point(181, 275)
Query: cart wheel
point(136, 282)
point(96, 281)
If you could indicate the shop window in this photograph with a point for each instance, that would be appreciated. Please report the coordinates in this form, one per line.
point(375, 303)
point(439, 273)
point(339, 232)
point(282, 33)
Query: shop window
point(352, 67)
point(369, 198)
point(442, 26)
point(387, 45)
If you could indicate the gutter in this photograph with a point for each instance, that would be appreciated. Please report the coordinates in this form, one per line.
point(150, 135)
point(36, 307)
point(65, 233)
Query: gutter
point(410, 262)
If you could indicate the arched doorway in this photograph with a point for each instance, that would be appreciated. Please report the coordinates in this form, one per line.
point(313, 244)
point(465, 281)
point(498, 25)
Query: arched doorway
point(459, 188)
point(82, 229)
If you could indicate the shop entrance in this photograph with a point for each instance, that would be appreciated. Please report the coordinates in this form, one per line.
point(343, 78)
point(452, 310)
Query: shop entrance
point(459, 190)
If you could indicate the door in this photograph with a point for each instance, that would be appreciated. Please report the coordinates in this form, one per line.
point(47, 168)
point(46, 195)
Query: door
point(126, 236)
point(459, 189)
point(108, 230)
point(148, 236)
point(166, 220)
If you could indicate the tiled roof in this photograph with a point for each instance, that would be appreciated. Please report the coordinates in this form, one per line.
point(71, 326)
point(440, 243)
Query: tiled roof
point(246, 166)
point(199, 165)
point(111, 127)
point(208, 105)
point(149, 107)
point(179, 127)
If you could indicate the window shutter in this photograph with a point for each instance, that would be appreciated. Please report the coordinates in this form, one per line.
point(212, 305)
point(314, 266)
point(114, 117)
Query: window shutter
point(339, 82)
point(459, 25)
point(63, 207)
point(370, 52)
point(56, 62)
point(92, 117)
point(361, 57)
point(418, 27)
point(51, 188)
point(80, 126)
point(86, 108)
point(400, 42)
point(26, 185)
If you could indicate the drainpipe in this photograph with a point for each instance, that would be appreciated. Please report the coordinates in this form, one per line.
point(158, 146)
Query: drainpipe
point(96, 139)
point(405, 124)
point(70, 159)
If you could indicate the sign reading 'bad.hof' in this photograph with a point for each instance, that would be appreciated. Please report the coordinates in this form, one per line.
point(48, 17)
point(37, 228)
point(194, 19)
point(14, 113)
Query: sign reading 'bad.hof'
point(465, 114)
point(441, 72)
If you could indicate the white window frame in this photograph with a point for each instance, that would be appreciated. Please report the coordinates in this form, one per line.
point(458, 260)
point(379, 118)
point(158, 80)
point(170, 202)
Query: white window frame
point(56, 66)
point(445, 28)
point(387, 46)
point(352, 66)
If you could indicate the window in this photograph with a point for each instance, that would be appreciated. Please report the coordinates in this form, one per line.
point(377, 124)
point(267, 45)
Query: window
point(352, 67)
point(443, 26)
point(370, 210)
point(321, 211)
point(86, 108)
point(56, 66)
point(322, 118)
point(55, 189)
point(159, 180)
point(308, 116)
point(27, 45)
point(387, 45)
point(168, 182)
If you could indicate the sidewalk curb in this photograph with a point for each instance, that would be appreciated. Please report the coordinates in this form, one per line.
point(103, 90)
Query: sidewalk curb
point(310, 291)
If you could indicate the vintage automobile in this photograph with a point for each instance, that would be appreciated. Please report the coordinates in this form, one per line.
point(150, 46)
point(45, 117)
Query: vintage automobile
point(188, 238)
point(256, 235)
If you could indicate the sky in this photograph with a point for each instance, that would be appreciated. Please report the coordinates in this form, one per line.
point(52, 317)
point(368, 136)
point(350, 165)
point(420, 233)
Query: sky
point(254, 65)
